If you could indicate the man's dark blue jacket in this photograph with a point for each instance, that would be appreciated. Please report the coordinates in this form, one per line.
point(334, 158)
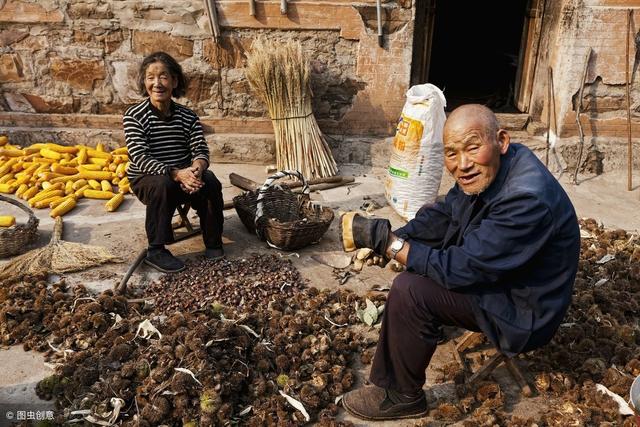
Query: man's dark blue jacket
point(514, 248)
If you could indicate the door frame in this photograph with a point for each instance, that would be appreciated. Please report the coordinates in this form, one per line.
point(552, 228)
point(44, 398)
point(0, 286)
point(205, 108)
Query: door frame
point(528, 56)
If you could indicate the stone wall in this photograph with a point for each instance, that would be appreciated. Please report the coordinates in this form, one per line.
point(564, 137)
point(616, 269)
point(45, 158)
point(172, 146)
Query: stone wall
point(67, 66)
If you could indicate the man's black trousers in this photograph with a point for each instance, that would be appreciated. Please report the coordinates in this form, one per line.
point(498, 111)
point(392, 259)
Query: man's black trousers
point(416, 308)
point(162, 195)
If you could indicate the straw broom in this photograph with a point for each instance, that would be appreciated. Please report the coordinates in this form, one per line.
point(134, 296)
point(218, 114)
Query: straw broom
point(55, 258)
point(279, 73)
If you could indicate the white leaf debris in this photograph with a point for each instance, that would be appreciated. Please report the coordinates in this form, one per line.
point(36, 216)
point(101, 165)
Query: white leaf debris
point(601, 282)
point(338, 399)
point(147, 330)
point(245, 411)
point(251, 331)
point(623, 406)
point(334, 323)
point(296, 404)
point(605, 259)
point(186, 371)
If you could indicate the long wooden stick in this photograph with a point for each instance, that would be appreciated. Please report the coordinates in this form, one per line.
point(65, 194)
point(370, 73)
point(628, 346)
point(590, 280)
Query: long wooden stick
point(546, 150)
point(250, 185)
point(252, 7)
point(629, 144)
point(213, 18)
point(578, 110)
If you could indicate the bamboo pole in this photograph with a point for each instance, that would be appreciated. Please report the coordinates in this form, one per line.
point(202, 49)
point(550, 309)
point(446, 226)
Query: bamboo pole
point(578, 111)
point(546, 150)
point(629, 143)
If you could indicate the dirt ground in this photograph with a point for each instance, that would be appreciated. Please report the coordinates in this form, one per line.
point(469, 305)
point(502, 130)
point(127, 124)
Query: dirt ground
point(603, 197)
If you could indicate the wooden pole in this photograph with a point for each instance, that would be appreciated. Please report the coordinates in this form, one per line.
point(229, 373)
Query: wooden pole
point(578, 110)
point(252, 7)
point(629, 143)
point(546, 151)
point(213, 18)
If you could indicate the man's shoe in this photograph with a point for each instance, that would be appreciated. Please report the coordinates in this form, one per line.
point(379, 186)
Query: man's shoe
point(163, 260)
point(214, 253)
point(377, 404)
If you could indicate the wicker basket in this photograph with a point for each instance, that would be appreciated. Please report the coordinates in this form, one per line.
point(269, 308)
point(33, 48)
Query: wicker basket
point(284, 219)
point(14, 240)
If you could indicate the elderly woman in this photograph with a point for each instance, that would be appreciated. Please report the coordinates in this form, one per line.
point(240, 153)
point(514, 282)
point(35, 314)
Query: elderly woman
point(170, 161)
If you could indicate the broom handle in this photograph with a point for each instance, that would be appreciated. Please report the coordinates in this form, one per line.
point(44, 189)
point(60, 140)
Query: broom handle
point(57, 230)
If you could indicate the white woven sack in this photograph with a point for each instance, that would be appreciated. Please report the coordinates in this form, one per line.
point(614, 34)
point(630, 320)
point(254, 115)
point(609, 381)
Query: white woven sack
point(415, 167)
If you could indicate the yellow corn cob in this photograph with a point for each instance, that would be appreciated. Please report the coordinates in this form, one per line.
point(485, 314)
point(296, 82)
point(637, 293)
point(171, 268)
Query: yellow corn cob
point(46, 185)
point(11, 152)
point(80, 191)
point(31, 150)
point(71, 163)
point(7, 220)
point(124, 189)
point(97, 194)
point(45, 160)
point(62, 148)
point(114, 202)
point(29, 193)
point(82, 156)
point(99, 154)
point(98, 161)
point(121, 170)
point(3, 140)
point(47, 176)
point(44, 194)
point(112, 167)
point(50, 154)
point(115, 181)
point(66, 178)
point(65, 170)
point(23, 179)
point(106, 185)
point(56, 203)
point(96, 174)
point(7, 188)
point(6, 178)
point(68, 188)
point(44, 203)
point(38, 146)
point(21, 189)
point(90, 167)
point(94, 184)
point(79, 183)
point(18, 166)
point(124, 181)
point(6, 167)
point(65, 206)
point(121, 158)
point(100, 146)
point(121, 150)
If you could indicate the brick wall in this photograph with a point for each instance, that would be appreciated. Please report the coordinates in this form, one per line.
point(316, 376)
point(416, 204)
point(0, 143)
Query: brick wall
point(72, 64)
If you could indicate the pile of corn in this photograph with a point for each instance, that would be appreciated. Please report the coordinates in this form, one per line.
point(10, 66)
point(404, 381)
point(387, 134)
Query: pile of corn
point(54, 176)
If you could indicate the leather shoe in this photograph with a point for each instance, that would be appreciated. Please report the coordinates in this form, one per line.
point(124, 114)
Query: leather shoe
point(162, 260)
point(214, 253)
point(377, 404)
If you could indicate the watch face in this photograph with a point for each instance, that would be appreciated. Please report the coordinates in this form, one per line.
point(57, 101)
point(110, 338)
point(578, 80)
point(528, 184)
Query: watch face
point(397, 245)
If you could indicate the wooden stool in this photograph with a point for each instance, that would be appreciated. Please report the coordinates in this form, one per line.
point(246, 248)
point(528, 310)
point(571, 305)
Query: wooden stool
point(182, 211)
point(470, 339)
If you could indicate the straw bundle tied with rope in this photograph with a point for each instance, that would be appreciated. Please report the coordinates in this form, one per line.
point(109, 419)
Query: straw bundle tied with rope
point(279, 73)
point(55, 258)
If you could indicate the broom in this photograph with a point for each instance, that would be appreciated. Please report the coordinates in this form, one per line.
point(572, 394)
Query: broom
point(55, 258)
point(279, 73)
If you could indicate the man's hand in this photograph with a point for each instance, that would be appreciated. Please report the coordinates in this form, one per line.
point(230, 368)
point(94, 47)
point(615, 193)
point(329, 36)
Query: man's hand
point(359, 232)
point(198, 166)
point(188, 180)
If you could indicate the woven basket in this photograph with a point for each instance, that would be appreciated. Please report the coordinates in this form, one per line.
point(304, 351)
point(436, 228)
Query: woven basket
point(14, 240)
point(284, 219)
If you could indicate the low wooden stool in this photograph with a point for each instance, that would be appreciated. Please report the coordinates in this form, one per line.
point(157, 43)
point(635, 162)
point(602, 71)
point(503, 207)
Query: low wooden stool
point(470, 339)
point(182, 211)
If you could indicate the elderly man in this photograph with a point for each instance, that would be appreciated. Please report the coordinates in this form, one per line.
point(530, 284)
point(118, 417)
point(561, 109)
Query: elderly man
point(498, 255)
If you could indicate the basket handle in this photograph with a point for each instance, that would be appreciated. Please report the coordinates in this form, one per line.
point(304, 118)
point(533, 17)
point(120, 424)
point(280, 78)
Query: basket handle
point(32, 216)
point(268, 183)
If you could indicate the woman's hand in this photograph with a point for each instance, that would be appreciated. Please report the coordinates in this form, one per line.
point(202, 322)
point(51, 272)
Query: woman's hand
point(189, 181)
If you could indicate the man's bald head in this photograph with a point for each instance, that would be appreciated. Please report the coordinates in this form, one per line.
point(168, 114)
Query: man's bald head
point(470, 115)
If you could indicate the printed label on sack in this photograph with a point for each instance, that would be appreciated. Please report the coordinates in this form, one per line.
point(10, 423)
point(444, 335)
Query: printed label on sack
point(398, 173)
point(408, 134)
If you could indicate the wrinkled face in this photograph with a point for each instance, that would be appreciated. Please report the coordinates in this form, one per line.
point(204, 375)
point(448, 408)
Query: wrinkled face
point(159, 83)
point(472, 156)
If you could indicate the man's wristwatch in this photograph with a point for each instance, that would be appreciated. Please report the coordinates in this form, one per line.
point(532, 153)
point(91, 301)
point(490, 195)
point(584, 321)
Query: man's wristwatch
point(396, 246)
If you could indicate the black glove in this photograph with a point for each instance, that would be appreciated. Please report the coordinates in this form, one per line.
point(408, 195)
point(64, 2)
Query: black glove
point(359, 232)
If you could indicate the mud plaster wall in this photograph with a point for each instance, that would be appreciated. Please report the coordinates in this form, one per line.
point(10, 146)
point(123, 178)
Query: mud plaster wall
point(601, 25)
point(67, 64)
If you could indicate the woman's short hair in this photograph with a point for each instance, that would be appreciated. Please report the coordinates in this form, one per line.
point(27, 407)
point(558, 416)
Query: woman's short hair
point(172, 65)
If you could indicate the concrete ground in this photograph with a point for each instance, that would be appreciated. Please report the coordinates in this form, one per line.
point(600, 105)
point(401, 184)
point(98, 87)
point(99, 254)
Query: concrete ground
point(603, 197)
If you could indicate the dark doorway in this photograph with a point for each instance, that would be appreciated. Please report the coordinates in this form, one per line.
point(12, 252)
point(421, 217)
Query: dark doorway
point(475, 50)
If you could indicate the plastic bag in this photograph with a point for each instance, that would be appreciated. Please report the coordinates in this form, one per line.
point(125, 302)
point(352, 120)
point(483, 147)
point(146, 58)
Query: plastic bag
point(415, 167)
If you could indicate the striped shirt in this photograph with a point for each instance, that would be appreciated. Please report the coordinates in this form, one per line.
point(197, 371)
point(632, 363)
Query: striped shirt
point(157, 145)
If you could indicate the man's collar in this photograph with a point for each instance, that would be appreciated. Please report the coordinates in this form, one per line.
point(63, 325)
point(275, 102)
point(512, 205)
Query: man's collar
point(497, 184)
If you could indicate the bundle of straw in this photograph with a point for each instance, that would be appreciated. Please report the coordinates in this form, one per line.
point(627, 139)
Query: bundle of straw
point(279, 73)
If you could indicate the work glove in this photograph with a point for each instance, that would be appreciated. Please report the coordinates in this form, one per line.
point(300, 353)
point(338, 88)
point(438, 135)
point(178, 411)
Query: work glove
point(358, 232)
